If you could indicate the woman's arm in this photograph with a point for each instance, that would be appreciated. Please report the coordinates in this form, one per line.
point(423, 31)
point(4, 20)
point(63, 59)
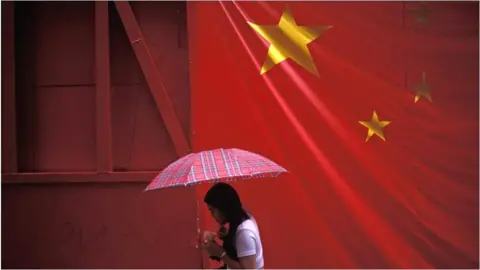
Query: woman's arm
point(215, 250)
point(246, 249)
point(232, 264)
point(248, 262)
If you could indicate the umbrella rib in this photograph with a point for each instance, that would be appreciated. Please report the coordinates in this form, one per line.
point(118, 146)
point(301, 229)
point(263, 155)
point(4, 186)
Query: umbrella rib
point(191, 171)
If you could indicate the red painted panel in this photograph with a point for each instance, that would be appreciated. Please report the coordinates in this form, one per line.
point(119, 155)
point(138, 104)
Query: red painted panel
point(83, 223)
point(65, 135)
point(135, 119)
point(65, 52)
point(24, 84)
point(124, 65)
point(98, 226)
point(59, 119)
point(153, 77)
point(140, 141)
point(65, 43)
point(56, 105)
point(166, 36)
point(65, 116)
point(9, 142)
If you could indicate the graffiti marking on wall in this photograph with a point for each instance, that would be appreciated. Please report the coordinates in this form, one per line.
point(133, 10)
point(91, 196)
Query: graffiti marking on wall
point(80, 237)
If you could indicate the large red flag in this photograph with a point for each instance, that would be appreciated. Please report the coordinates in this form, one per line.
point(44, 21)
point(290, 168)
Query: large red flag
point(373, 107)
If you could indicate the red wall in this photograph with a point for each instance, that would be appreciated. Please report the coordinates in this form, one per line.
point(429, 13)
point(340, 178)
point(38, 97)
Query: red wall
point(90, 224)
point(97, 226)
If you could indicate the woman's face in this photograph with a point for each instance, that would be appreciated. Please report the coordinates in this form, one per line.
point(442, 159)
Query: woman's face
point(217, 215)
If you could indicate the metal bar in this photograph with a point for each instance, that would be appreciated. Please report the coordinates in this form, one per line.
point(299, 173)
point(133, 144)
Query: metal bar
point(25, 85)
point(9, 127)
point(201, 225)
point(102, 59)
point(79, 177)
point(153, 78)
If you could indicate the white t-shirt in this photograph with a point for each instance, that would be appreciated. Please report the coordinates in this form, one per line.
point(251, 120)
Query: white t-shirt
point(248, 241)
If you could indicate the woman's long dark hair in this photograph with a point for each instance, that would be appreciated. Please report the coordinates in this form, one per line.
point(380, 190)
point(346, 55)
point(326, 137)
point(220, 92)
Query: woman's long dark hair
point(225, 198)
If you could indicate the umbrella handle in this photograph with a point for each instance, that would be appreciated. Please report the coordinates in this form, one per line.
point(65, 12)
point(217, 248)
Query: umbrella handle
point(199, 237)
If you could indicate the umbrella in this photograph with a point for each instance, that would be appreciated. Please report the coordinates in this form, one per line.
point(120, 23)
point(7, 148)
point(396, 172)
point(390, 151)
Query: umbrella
point(215, 165)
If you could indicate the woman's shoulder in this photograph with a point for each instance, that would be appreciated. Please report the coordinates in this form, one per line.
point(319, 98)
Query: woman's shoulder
point(248, 224)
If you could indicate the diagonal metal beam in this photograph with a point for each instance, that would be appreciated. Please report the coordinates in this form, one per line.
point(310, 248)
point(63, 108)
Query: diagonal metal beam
point(153, 78)
point(102, 71)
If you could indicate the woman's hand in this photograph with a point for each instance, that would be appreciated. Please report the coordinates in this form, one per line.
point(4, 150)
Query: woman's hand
point(222, 232)
point(208, 236)
point(213, 249)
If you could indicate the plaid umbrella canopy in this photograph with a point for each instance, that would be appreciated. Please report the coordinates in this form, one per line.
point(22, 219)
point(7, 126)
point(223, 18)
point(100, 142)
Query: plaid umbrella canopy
point(215, 165)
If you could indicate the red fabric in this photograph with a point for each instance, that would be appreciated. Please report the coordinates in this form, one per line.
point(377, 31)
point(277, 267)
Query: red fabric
point(214, 165)
point(408, 202)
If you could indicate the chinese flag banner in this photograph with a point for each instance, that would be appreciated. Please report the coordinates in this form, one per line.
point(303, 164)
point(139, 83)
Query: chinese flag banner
point(371, 106)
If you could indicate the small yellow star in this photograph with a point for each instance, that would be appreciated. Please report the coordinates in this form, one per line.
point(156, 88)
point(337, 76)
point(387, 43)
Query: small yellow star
point(288, 40)
point(375, 127)
point(423, 89)
point(420, 14)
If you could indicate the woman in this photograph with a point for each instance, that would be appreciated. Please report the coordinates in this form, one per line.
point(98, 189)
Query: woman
point(242, 246)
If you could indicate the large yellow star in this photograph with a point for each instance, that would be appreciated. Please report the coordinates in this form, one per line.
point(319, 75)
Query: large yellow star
point(375, 126)
point(423, 89)
point(288, 40)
